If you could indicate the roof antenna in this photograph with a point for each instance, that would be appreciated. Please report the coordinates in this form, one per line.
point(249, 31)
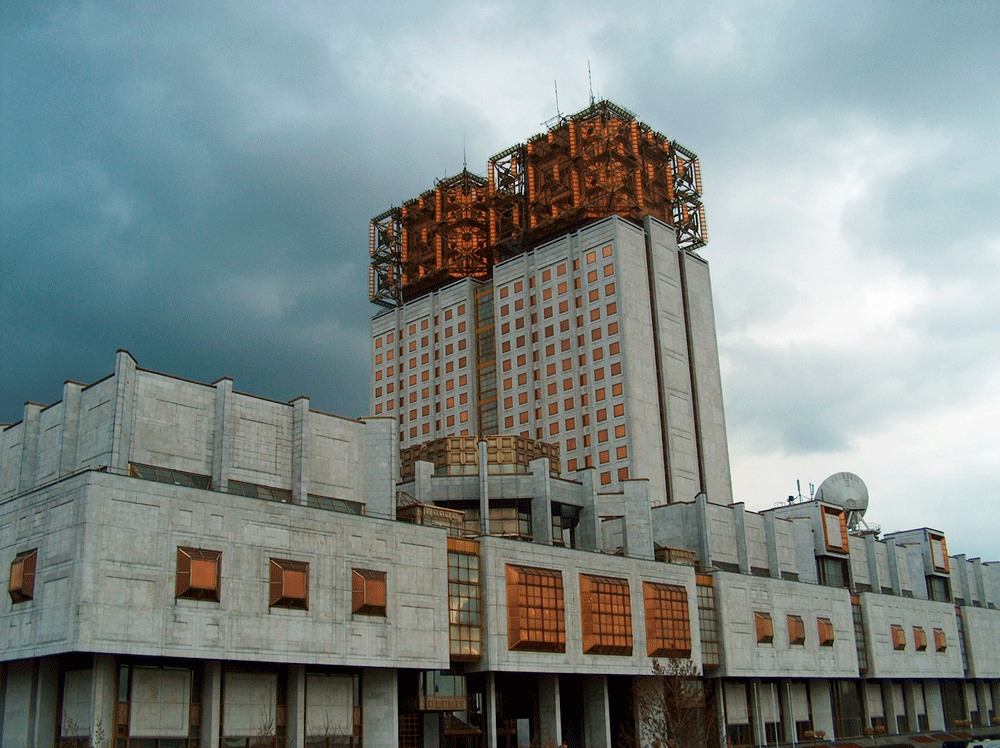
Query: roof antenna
point(590, 80)
point(558, 113)
point(465, 163)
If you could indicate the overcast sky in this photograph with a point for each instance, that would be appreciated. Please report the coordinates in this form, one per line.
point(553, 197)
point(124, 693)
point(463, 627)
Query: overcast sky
point(193, 182)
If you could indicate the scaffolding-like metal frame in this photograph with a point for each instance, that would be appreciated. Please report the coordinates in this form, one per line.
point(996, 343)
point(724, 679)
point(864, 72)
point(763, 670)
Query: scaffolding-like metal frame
point(598, 162)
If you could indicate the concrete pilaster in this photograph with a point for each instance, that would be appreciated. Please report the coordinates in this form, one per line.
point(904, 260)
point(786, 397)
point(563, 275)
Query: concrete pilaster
point(740, 532)
point(638, 535)
point(891, 551)
point(491, 710)
point(380, 707)
point(983, 697)
point(588, 529)
point(873, 575)
point(222, 444)
point(787, 712)
point(757, 716)
point(484, 489)
point(46, 695)
point(978, 580)
point(910, 701)
point(295, 710)
point(29, 446)
point(960, 578)
point(549, 712)
point(301, 450)
point(704, 547)
point(70, 428)
point(381, 464)
point(541, 501)
point(596, 714)
point(771, 542)
point(104, 697)
point(125, 384)
point(891, 708)
point(211, 704)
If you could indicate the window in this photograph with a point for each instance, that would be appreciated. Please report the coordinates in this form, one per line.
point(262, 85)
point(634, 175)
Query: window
point(198, 574)
point(939, 553)
point(606, 615)
point(465, 625)
point(254, 491)
point(796, 630)
point(940, 641)
point(919, 639)
point(166, 475)
point(668, 623)
point(368, 592)
point(835, 529)
point(22, 576)
point(825, 627)
point(898, 638)
point(289, 584)
point(765, 628)
point(335, 505)
point(536, 619)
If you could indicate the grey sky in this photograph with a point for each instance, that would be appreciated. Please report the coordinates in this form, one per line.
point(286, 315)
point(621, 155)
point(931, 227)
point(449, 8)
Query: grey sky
point(193, 182)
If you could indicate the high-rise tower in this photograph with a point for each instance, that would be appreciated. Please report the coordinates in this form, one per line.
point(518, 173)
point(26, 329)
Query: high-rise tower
point(560, 299)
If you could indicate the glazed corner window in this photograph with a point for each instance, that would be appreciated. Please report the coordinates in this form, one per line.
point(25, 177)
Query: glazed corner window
point(940, 641)
point(536, 616)
point(835, 529)
point(606, 615)
point(825, 627)
point(22, 576)
point(289, 584)
point(919, 639)
point(668, 622)
point(939, 553)
point(898, 638)
point(167, 475)
point(368, 592)
point(796, 630)
point(198, 574)
point(765, 628)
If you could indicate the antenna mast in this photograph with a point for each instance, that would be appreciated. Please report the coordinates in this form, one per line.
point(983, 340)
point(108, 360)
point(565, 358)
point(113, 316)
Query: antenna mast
point(558, 113)
point(590, 81)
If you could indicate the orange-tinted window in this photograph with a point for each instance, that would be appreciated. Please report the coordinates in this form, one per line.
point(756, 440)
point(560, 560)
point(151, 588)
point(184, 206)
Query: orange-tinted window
point(796, 630)
point(536, 618)
point(368, 595)
point(21, 586)
point(765, 628)
point(289, 586)
point(606, 615)
point(898, 637)
point(668, 623)
point(198, 574)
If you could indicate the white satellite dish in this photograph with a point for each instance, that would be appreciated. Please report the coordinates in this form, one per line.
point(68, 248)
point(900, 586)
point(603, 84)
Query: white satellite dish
point(847, 491)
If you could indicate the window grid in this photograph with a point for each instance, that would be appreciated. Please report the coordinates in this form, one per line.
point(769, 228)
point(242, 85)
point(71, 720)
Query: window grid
point(465, 622)
point(606, 615)
point(536, 620)
point(708, 624)
point(668, 623)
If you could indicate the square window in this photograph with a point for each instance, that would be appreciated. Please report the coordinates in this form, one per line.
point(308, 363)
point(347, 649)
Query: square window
point(796, 630)
point(289, 584)
point(21, 587)
point(368, 592)
point(765, 628)
point(668, 623)
point(536, 619)
point(606, 615)
point(198, 574)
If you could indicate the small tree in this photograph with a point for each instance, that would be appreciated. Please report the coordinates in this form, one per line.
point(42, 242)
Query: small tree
point(678, 709)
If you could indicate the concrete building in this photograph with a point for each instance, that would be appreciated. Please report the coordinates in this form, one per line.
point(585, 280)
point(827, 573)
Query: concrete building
point(537, 512)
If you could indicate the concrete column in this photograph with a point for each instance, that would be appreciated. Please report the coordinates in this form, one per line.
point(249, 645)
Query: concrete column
point(891, 551)
point(211, 704)
point(423, 474)
point(771, 541)
point(588, 530)
point(740, 532)
point(301, 449)
point(484, 489)
point(380, 707)
point(17, 727)
point(983, 697)
point(757, 716)
point(935, 705)
point(491, 709)
point(910, 701)
point(596, 714)
point(704, 546)
point(978, 580)
point(873, 576)
point(126, 377)
point(222, 442)
point(891, 708)
point(648, 698)
point(549, 711)
point(381, 465)
point(104, 697)
point(70, 428)
point(432, 729)
point(638, 524)
point(541, 501)
point(46, 695)
point(29, 446)
point(822, 709)
point(295, 708)
point(960, 578)
point(788, 718)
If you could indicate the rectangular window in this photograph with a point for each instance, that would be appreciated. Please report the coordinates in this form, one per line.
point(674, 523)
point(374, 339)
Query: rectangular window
point(668, 622)
point(765, 628)
point(825, 629)
point(940, 641)
point(898, 638)
point(536, 618)
point(919, 639)
point(198, 574)
point(465, 624)
point(368, 595)
point(606, 615)
point(21, 586)
point(167, 475)
point(835, 529)
point(289, 584)
point(255, 491)
point(939, 553)
point(796, 630)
